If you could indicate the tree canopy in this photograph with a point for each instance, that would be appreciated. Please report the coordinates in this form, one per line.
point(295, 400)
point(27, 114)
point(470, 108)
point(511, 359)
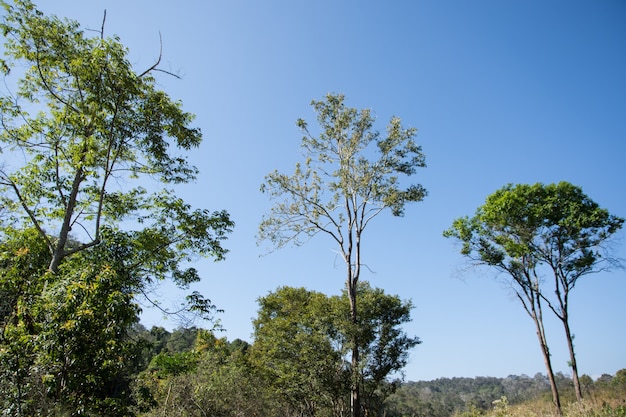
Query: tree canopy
point(302, 341)
point(543, 237)
point(89, 145)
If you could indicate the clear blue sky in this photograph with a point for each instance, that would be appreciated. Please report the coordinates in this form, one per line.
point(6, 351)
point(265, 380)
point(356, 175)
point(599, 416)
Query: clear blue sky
point(501, 92)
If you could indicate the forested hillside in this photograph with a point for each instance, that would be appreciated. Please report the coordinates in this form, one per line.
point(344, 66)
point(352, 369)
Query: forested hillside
point(447, 396)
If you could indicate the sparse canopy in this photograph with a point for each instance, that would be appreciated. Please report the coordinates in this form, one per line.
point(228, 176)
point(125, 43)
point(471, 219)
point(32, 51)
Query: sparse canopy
point(343, 183)
point(350, 175)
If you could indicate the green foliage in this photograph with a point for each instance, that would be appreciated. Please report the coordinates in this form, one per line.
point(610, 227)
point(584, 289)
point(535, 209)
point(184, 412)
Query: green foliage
point(96, 123)
point(165, 364)
point(338, 173)
point(302, 341)
point(294, 336)
point(554, 224)
point(81, 130)
point(222, 383)
point(544, 238)
point(23, 261)
point(484, 396)
point(350, 174)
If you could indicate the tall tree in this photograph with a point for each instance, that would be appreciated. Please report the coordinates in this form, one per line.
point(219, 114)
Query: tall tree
point(85, 138)
point(340, 187)
point(538, 233)
point(98, 125)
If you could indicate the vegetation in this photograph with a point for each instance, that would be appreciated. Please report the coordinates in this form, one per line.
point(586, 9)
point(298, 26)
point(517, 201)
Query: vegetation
point(296, 365)
point(81, 123)
point(511, 396)
point(302, 341)
point(543, 238)
point(227, 378)
point(340, 189)
point(86, 139)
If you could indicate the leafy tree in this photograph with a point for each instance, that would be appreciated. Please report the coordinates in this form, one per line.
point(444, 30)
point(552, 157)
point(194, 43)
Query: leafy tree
point(340, 188)
point(81, 132)
point(23, 256)
point(384, 346)
point(538, 233)
point(302, 341)
point(293, 345)
point(82, 344)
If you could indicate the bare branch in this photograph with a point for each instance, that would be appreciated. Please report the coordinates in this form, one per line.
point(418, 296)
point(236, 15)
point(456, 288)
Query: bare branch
point(104, 18)
point(154, 66)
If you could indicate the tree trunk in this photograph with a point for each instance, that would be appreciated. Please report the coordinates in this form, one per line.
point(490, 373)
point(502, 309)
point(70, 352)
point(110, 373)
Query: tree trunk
point(355, 392)
point(546, 359)
point(570, 345)
point(59, 251)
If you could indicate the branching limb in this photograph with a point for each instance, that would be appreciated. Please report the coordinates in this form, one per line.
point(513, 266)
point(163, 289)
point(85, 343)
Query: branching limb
point(154, 66)
point(6, 180)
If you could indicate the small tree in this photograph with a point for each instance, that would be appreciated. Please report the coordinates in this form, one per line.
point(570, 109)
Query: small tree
point(339, 189)
point(294, 335)
point(536, 233)
point(302, 341)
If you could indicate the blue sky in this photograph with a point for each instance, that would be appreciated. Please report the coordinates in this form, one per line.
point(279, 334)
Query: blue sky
point(500, 91)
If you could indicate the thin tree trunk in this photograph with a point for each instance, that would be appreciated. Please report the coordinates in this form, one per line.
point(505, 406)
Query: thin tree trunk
point(562, 314)
point(355, 397)
point(541, 335)
point(546, 359)
point(572, 355)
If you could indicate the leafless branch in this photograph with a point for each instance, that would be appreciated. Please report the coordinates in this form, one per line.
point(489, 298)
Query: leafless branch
point(154, 66)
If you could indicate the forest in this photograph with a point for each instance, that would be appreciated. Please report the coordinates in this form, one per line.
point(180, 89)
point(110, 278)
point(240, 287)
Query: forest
point(90, 222)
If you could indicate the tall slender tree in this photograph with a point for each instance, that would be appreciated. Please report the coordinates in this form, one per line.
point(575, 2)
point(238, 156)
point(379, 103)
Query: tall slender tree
point(544, 237)
point(340, 188)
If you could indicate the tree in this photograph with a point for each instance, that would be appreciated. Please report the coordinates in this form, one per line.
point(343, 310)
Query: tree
point(23, 257)
point(86, 138)
point(384, 346)
point(302, 340)
point(216, 379)
point(338, 190)
point(535, 233)
point(82, 343)
point(294, 335)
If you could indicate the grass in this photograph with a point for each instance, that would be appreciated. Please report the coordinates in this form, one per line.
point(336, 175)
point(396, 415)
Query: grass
point(593, 406)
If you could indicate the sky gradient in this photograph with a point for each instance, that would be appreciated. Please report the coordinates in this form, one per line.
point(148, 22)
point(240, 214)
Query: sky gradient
point(500, 92)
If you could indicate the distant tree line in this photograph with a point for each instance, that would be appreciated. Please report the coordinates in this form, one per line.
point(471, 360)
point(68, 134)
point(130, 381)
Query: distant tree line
point(445, 397)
